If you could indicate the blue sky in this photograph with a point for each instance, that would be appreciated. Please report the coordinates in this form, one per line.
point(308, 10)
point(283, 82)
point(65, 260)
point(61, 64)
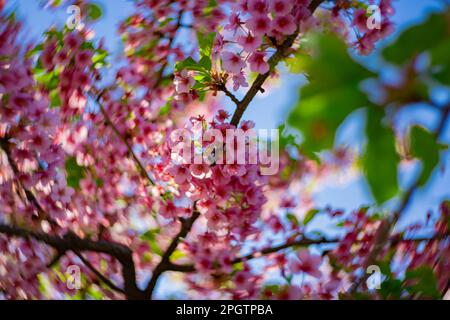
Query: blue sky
point(270, 109)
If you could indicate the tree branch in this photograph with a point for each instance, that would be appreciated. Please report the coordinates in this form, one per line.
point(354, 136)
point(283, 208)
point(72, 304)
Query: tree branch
point(227, 92)
point(71, 242)
point(279, 54)
point(302, 242)
point(98, 274)
point(109, 122)
point(165, 264)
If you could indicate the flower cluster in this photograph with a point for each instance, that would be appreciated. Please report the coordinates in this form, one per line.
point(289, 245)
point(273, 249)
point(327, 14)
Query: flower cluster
point(373, 31)
point(229, 195)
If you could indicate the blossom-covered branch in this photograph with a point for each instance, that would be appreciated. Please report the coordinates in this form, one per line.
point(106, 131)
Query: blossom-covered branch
point(71, 242)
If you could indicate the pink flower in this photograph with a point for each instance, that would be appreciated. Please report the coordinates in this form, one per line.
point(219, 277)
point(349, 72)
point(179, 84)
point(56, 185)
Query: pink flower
point(232, 63)
point(284, 24)
point(234, 22)
point(222, 115)
point(360, 20)
point(281, 7)
point(308, 263)
point(258, 63)
point(48, 56)
point(168, 210)
point(38, 142)
point(62, 57)
point(226, 262)
point(249, 42)
point(216, 220)
point(242, 280)
point(73, 41)
point(183, 82)
point(257, 7)
point(21, 101)
point(217, 45)
point(180, 174)
point(386, 8)
point(275, 224)
point(80, 79)
point(219, 176)
point(254, 196)
point(247, 125)
point(239, 81)
point(259, 25)
point(83, 59)
point(62, 193)
point(199, 169)
point(235, 170)
point(294, 293)
point(77, 101)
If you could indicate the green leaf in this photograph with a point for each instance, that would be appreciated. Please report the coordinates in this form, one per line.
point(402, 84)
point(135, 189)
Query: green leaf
point(94, 11)
point(391, 289)
point(292, 218)
point(95, 294)
point(191, 64)
point(99, 59)
point(54, 33)
point(441, 62)
point(424, 282)
point(310, 215)
point(205, 43)
point(35, 50)
point(150, 237)
point(177, 255)
point(55, 99)
point(298, 63)
point(165, 109)
point(74, 173)
point(205, 63)
point(417, 39)
point(332, 94)
point(425, 147)
point(380, 159)
point(48, 79)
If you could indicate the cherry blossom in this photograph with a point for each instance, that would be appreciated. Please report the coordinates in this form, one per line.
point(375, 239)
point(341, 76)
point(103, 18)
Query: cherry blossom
point(232, 63)
point(86, 158)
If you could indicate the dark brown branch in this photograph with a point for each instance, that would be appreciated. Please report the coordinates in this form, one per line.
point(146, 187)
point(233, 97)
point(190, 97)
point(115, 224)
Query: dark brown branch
point(227, 92)
point(71, 242)
point(279, 55)
point(165, 264)
point(302, 242)
point(289, 244)
point(55, 259)
point(98, 274)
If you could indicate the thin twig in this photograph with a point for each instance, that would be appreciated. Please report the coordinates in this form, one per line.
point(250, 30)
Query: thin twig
point(164, 264)
point(98, 274)
point(279, 55)
point(227, 92)
point(302, 242)
point(130, 150)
